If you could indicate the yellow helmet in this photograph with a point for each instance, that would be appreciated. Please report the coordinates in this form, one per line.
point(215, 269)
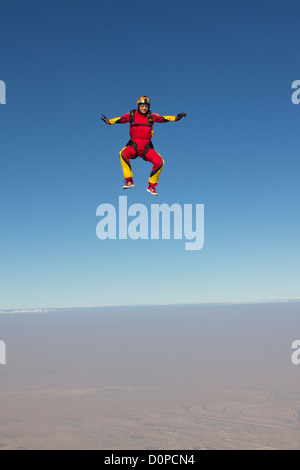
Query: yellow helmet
point(143, 100)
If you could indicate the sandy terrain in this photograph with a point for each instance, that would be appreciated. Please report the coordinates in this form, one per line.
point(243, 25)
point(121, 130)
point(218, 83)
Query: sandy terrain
point(209, 377)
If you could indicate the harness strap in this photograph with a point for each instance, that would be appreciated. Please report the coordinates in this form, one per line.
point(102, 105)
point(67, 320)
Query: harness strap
point(132, 123)
point(149, 146)
point(131, 143)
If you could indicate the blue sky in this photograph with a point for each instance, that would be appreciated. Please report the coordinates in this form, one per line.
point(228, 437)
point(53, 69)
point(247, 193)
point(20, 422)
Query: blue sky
point(230, 66)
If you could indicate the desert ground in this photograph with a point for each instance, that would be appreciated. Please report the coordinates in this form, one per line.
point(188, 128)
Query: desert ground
point(151, 378)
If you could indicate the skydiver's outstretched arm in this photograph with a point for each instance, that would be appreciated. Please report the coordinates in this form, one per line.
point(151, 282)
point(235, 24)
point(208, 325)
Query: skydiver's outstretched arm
point(118, 120)
point(161, 119)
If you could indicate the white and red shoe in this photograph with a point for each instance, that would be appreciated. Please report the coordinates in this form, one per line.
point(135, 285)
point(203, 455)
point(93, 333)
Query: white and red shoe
point(152, 190)
point(128, 184)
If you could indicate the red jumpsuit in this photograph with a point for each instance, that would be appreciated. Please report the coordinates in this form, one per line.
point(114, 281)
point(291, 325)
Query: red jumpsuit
point(140, 144)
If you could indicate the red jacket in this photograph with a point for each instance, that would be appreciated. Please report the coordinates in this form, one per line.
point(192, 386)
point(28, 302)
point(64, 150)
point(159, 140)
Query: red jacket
point(142, 132)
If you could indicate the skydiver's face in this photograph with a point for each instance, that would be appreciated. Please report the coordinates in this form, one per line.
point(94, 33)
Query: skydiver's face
point(143, 108)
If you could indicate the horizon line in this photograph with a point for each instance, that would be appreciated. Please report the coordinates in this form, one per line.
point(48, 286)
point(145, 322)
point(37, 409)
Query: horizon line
point(164, 304)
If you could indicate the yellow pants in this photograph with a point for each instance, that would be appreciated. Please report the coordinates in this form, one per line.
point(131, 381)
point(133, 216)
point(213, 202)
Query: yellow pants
point(128, 153)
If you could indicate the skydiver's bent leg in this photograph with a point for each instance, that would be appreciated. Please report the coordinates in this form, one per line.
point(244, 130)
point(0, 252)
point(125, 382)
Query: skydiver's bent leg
point(158, 163)
point(126, 154)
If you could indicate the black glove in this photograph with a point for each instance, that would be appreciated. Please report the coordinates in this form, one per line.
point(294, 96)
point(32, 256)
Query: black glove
point(104, 119)
point(179, 116)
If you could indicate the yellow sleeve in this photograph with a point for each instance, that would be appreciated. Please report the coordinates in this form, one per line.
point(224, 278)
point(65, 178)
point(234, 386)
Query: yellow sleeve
point(169, 118)
point(158, 118)
point(117, 120)
point(120, 120)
